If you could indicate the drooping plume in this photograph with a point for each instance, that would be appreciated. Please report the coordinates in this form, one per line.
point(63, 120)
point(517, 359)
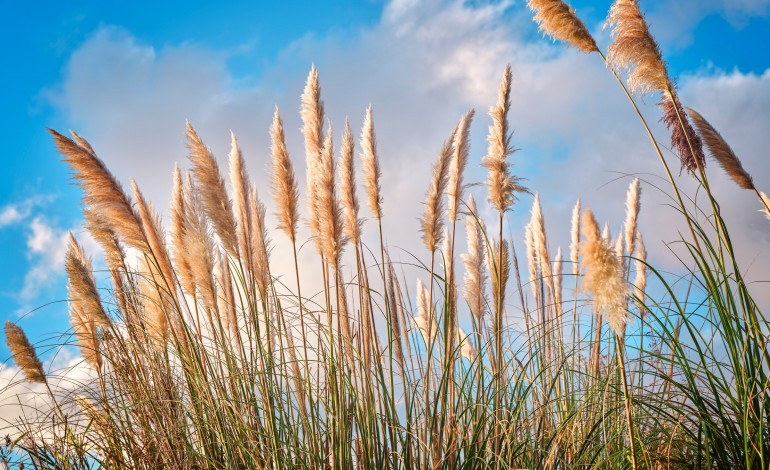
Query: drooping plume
point(721, 151)
point(24, 354)
point(633, 49)
point(502, 186)
point(371, 165)
point(284, 182)
point(558, 20)
point(684, 139)
point(603, 279)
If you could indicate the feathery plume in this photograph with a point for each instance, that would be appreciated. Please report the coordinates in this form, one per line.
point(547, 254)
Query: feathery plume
point(371, 165)
point(424, 314)
point(604, 275)
point(431, 223)
point(260, 244)
point(575, 238)
point(684, 140)
point(721, 151)
point(640, 279)
point(153, 233)
point(312, 114)
point(347, 177)
point(559, 20)
point(154, 305)
point(226, 298)
point(105, 236)
point(88, 339)
point(466, 346)
point(284, 182)
point(461, 146)
point(557, 269)
point(541, 244)
point(502, 186)
point(498, 295)
point(632, 213)
point(475, 277)
point(103, 193)
point(81, 285)
point(24, 354)
point(213, 196)
point(239, 179)
point(114, 255)
point(532, 263)
point(178, 216)
point(332, 237)
point(86, 311)
point(634, 49)
point(199, 247)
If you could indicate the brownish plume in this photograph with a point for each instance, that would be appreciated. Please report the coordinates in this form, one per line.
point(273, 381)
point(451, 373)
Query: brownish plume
point(558, 20)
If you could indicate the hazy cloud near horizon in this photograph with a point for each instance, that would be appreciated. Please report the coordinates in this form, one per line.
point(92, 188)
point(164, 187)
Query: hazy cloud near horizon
point(421, 68)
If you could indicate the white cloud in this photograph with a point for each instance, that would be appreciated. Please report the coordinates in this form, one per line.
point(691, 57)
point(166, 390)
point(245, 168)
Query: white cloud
point(13, 213)
point(421, 67)
point(46, 251)
point(47, 248)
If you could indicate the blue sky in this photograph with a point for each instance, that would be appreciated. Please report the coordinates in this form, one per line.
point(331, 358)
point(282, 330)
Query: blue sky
point(125, 75)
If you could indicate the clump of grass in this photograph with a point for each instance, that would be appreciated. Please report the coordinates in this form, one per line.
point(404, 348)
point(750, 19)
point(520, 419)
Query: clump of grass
point(202, 358)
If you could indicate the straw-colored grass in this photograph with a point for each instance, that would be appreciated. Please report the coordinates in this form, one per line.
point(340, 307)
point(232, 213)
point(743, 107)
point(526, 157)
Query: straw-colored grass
point(200, 357)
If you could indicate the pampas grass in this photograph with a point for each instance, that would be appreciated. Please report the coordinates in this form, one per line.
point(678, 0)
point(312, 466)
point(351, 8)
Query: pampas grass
point(24, 355)
point(558, 20)
point(191, 338)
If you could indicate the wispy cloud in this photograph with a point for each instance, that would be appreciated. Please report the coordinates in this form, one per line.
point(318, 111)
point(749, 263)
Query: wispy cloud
point(16, 212)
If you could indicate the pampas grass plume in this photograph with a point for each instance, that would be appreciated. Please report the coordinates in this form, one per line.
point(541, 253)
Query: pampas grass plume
point(371, 165)
point(284, 182)
point(347, 177)
point(603, 279)
point(502, 186)
point(558, 20)
point(721, 151)
point(24, 354)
